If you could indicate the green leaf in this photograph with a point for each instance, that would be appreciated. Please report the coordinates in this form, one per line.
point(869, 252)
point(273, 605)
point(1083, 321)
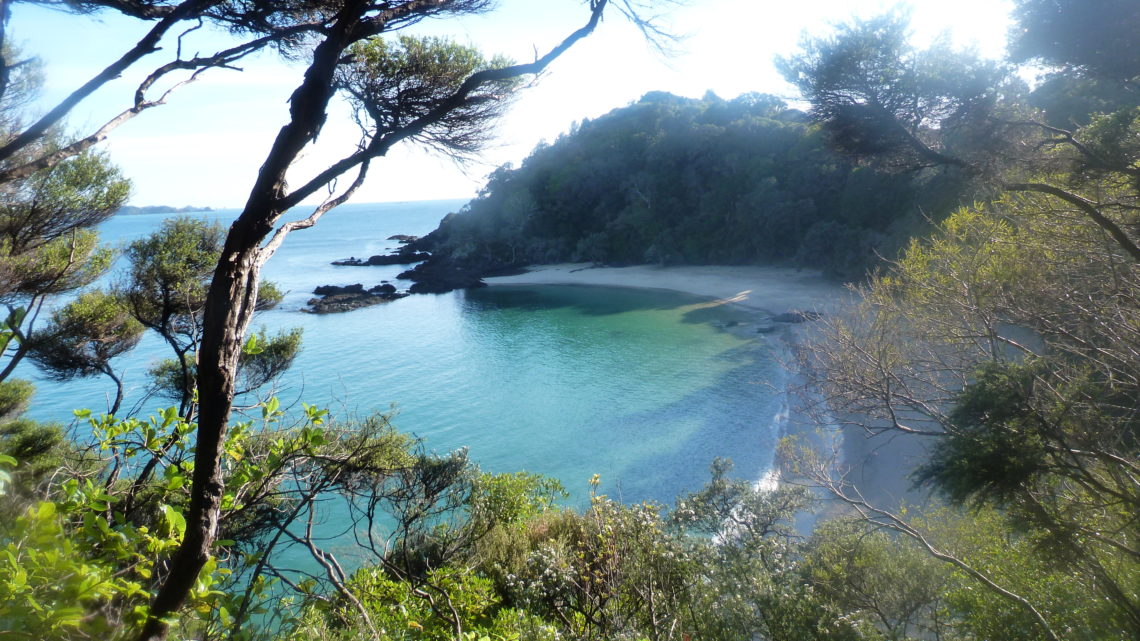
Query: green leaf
point(46, 510)
point(270, 407)
point(174, 520)
point(251, 347)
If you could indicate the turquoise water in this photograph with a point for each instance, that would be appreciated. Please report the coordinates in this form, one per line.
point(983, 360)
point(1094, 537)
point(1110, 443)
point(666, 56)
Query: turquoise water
point(642, 387)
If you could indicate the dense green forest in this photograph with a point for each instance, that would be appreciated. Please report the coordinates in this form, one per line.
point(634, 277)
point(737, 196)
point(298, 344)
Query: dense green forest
point(1005, 338)
point(670, 180)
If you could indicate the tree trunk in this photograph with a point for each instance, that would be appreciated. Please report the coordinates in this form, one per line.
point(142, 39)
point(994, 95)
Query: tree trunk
point(232, 297)
point(229, 307)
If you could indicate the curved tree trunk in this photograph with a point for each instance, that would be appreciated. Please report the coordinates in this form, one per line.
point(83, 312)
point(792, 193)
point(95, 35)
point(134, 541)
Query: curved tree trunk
point(229, 307)
point(232, 296)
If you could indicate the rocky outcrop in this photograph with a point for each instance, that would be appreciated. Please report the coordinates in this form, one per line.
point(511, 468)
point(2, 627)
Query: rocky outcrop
point(402, 257)
point(441, 276)
point(339, 290)
point(345, 298)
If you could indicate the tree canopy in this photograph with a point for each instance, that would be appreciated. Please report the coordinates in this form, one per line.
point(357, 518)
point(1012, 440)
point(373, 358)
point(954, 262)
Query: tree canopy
point(673, 180)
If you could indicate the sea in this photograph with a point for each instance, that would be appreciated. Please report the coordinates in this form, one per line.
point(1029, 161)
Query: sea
point(641, 387)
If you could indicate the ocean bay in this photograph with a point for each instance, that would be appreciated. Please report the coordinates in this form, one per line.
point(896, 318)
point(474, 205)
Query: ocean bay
point(643, 387)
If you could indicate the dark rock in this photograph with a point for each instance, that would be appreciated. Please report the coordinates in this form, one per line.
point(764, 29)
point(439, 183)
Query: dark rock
point(336, 299)
point(401, 257)
point(796, 316)
point(336, 290)
point(438, 277)
point(765, 329)
point(404, 238)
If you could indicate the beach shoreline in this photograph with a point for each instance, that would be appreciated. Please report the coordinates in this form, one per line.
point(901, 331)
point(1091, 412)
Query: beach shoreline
point(761, 293)
point(876, 464)
point(769, 290)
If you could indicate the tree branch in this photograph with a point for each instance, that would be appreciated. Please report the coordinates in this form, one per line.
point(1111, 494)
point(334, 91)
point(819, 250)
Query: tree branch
point(899, 525)
point(1089, 208)
point(381, 145)
point(146, 46)
point(274, 243)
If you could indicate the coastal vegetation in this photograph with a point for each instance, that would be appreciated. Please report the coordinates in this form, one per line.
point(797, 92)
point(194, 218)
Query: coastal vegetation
point(678, 181)
point(1004, 335)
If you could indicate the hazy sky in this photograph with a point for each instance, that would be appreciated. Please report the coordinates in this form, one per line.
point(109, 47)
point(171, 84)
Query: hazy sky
point(204, 147)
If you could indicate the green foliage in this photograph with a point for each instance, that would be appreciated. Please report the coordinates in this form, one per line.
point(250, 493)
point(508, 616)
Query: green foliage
point(671, 180)
point(170, 271)
point(85, 335)
point(881, 99)
point(82, 560)
point(14, 397)
point(37, 451)
point(877, 580)
point(85, 549)
point(266, 357)
point(78, 193)
point(1093, 37)
point(977, 338)
point(397, 610)
point(54, 267)
point(269, 295)
point(48, 246)
point(165, 290)
point(512, 499)
point(1071, 101)
point(393, 84)
point(996, 447)
point(34, 449)
point(996, 544)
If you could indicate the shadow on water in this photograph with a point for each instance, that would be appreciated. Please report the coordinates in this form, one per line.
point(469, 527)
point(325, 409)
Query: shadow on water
point(586, 300)
point(593, 300)
point(674, 400)
point(721, 314)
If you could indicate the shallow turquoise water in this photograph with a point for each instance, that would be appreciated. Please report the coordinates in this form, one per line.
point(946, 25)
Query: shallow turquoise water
point(643, 387)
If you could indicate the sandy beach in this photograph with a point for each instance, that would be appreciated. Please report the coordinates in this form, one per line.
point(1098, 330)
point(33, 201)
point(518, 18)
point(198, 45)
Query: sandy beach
point(771, 290)
point(877, 466)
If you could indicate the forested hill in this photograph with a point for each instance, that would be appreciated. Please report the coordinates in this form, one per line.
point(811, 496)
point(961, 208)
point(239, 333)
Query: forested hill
point(673, 180)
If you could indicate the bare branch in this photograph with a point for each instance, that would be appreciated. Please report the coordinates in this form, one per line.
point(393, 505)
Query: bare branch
point(147, 45)
point(284, 230)
point(1090, 209)
point(381, 145)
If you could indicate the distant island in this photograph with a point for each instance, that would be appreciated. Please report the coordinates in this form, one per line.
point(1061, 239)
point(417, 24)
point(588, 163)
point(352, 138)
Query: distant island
point(131, 210)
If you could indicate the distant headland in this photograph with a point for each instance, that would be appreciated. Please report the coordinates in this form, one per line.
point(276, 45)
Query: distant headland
point(131, 210)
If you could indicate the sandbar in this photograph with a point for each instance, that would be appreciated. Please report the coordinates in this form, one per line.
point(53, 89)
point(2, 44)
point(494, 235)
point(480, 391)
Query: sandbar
point(772, 290)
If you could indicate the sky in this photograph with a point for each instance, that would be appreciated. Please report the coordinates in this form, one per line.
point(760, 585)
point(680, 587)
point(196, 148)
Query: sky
point(203, 147)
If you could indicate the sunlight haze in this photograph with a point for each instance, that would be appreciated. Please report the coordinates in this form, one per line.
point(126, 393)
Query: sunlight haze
point(204, 147)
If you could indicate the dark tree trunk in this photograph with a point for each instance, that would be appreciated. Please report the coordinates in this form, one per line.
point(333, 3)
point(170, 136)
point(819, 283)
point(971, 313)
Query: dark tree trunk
point(229, 307)
point(232, 297)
